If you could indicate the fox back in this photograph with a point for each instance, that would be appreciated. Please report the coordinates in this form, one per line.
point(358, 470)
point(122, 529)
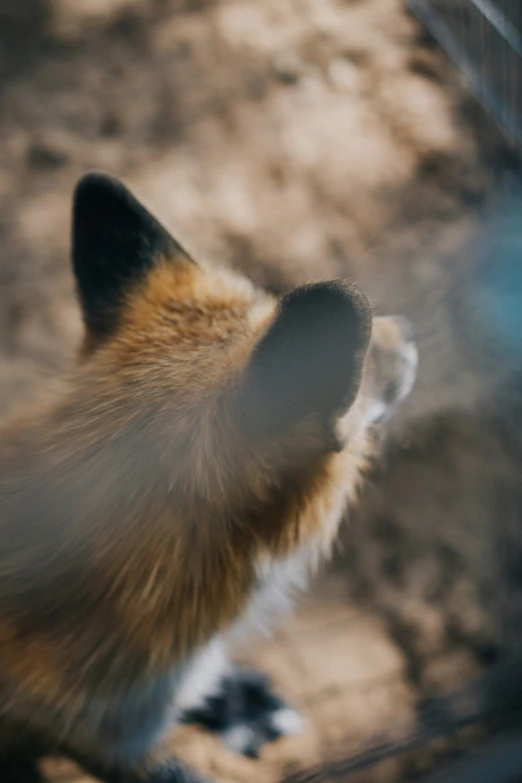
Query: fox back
point(195, 462)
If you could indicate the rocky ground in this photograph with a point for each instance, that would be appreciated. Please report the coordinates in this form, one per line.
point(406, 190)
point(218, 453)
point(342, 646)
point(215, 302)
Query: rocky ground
point(296, 139)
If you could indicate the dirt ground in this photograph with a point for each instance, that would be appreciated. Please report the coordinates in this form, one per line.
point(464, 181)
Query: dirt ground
point(296, 139)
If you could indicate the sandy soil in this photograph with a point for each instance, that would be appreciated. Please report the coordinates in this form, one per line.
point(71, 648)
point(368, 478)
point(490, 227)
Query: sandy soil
point(293, 139)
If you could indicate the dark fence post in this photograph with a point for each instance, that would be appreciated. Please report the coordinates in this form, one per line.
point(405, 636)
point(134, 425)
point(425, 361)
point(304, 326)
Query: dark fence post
point(484, 39)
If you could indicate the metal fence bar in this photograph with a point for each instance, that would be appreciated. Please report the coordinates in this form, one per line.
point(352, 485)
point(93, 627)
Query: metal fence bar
point(498, 19)
point(498, 761)
point(484, 39)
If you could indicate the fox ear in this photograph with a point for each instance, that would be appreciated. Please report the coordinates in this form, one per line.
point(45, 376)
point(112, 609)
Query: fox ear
point(115, 241)
point(309, 362)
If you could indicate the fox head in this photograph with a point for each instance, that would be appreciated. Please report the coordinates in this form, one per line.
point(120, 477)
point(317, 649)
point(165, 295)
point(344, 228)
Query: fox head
point(253, 396)
point(208, 431)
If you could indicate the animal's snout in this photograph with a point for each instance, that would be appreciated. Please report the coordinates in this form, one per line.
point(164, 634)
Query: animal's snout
point(392, 363)
point(392, 331)
point(406, 328)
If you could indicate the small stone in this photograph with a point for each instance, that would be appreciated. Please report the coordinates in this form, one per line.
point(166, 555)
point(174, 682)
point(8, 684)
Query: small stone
point(288, 67)
point(343, 74)
point(49, 150)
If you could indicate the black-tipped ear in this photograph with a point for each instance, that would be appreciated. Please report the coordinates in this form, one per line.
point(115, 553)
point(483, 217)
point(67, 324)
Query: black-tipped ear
point(115, 242)
point(310, 360)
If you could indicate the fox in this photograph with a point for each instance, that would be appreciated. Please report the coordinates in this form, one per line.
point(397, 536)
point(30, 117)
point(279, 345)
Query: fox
point(173, 492)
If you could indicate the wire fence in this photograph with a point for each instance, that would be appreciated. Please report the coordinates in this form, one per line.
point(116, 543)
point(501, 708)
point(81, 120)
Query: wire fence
point(484, 39)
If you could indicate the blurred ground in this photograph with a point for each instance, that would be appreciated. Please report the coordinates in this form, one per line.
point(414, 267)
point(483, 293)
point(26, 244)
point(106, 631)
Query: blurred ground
point(293, 139)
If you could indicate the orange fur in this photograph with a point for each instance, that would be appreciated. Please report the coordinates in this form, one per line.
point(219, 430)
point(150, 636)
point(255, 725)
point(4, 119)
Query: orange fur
point(136, 511)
